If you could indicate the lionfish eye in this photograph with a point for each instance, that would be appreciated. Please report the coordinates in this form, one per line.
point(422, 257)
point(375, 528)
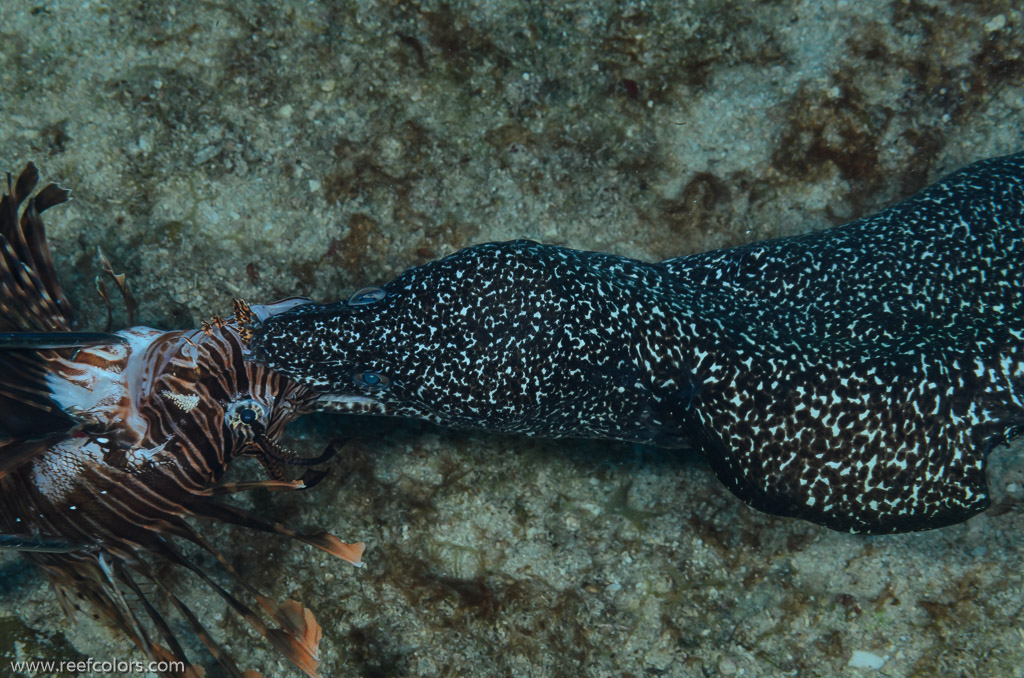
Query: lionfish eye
point(367, 295)
point(374, 380)
point(245, 415)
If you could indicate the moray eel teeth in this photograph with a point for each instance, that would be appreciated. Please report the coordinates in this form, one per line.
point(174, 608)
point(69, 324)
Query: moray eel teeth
point(856, 377)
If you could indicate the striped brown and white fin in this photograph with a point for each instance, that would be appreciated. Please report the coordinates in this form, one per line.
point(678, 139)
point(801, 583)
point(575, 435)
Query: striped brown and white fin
point(32, 298)
point(33, 302)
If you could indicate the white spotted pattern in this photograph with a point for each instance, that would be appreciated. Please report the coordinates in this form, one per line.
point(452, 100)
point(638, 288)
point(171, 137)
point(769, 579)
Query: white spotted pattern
point(856, 377)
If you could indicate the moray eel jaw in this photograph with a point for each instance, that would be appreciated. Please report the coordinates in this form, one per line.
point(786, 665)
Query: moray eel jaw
point(351, 404)
point(344, 355)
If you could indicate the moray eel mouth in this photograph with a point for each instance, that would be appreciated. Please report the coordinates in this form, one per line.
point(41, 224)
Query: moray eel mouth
point(345, 403)
point(351, 403)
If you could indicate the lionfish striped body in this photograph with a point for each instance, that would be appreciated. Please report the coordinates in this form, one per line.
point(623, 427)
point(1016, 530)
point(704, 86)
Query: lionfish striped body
point(110, 441)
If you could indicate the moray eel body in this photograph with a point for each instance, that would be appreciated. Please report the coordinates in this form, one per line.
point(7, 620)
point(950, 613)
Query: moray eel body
point(856, 377)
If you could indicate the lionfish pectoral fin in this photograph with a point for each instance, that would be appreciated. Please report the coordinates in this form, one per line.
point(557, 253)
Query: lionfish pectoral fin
point(26, 182)
point(324, 541)
point(47, 340)
point(312, 476)
point(224, 659)
point(37, 544)
point(327, 542)
point(115, 575)
point(249, 485)
point(303, 624)
point(299, 635)
point(155, 650)
point(101, 289)
point(292, 639)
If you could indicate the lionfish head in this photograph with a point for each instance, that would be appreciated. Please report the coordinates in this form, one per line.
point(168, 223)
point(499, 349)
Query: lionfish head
point(110, 444)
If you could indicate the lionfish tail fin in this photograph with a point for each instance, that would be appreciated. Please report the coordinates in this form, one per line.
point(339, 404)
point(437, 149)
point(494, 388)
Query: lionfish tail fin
point(32, 295)
point(32, 307)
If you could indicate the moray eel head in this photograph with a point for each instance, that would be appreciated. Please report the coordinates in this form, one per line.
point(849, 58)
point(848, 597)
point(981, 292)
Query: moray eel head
point(489, 337)
point(347, 350)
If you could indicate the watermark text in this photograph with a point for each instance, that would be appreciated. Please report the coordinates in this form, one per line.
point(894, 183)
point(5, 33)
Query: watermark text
point(114, 666)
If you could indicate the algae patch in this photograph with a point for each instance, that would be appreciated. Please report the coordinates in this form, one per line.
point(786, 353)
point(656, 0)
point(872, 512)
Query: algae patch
point(21, 642)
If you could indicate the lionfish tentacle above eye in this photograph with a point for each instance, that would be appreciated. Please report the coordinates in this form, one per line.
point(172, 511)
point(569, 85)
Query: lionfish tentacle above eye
point(109, 442)
point(121, 282)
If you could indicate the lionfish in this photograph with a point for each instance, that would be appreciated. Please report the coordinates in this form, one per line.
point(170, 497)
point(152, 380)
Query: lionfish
point(109, 442)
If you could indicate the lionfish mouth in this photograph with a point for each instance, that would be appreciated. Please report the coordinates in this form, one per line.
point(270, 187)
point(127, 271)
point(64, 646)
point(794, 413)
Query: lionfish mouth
point(279, 453)
point(274, 456)
point(249, 420)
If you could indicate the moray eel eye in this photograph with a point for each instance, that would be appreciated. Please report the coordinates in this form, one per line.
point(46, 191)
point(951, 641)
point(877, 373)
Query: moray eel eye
point(374, 380)
point(367, 295)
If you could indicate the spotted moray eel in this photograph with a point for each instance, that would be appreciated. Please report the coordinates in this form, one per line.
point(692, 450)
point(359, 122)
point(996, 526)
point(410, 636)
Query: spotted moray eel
point(856, 377)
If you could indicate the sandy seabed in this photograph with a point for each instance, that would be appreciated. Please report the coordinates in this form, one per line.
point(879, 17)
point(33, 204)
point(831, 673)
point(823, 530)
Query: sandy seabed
point(261, 150)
